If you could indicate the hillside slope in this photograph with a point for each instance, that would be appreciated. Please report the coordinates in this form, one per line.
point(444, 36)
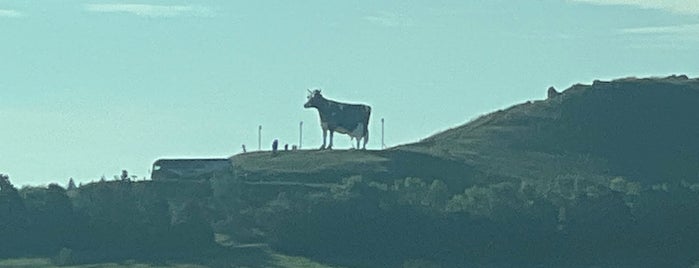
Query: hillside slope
point(642, 129)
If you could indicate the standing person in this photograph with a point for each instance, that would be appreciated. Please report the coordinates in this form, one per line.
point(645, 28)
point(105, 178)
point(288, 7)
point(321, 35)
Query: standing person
point(275, 144)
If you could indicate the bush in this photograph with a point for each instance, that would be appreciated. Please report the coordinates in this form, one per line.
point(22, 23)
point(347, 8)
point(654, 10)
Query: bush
point(13, 220)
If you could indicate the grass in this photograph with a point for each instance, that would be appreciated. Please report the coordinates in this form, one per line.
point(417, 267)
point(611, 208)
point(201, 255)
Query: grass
point(46, 263)
point(292, 261)
point(306, 161)
point(249, 255)
point(308, 166)
point(277, 261)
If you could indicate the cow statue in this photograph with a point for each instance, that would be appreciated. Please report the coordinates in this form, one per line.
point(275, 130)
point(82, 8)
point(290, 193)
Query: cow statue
point(350, 119)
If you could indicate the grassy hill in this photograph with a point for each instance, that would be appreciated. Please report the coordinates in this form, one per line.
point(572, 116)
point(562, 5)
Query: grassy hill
point(602, 175)
point(589, 176)
point(642, 129)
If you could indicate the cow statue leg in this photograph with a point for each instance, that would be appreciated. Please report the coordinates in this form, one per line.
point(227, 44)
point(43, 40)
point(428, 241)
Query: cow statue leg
point(330, 146)
point(325, 136)
point(366, 139)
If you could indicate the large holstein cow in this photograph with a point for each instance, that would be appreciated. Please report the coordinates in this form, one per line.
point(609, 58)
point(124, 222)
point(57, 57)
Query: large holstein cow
point(350, 119)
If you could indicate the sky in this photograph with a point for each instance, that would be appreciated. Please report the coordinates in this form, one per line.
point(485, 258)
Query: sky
point(92, 87)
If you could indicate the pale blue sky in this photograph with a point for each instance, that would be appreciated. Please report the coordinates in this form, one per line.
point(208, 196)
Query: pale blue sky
point(91, 87)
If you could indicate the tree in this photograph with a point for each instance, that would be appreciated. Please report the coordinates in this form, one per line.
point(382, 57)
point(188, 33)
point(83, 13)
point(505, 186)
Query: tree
point(50, 217)
point(191, 229)
point(71, 185)
point(124, 175)
point(13, 219)
point(5, 183)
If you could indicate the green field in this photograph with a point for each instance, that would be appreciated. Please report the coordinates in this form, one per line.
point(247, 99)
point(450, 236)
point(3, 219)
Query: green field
point(46, 263)
point(276, 260)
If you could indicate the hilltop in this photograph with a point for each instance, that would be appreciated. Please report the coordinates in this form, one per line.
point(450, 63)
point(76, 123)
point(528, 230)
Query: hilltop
point(644, 129)
point(641, 129)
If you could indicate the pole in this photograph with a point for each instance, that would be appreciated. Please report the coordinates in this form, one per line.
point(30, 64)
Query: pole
point(300, 134)
point(259, 138)
point(383, 145)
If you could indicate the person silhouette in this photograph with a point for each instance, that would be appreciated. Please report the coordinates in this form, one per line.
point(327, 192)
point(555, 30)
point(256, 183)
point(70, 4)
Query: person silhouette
point(275, 144)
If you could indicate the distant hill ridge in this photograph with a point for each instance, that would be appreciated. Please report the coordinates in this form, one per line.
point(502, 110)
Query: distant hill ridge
point(645, 129)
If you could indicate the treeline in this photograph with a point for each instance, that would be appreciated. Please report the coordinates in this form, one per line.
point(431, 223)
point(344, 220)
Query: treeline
point(104, 221)
point(562, 222)
point(566, 221)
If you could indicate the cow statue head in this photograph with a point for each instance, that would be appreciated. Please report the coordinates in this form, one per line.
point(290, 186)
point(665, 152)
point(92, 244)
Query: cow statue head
point(314, 98)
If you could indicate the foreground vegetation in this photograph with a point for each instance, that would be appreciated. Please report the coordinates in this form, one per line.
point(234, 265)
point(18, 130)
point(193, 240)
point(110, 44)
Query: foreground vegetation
point(413, 222)
point(564, 222)
point(121, 224)
point(101, 222)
